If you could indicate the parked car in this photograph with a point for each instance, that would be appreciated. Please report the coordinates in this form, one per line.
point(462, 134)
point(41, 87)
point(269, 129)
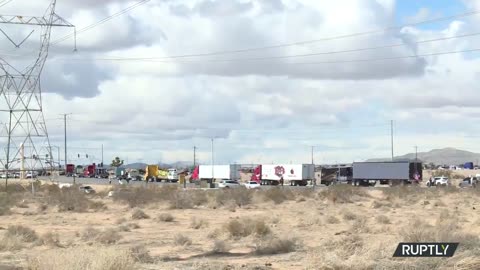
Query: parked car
point(469, 182)
point(228, 184)
point(31, 175)
point(87, 189)
point(440, 181)
point(252, 185)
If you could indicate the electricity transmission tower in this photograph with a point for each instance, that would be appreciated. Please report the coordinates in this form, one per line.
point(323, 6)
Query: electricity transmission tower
point(23, 136)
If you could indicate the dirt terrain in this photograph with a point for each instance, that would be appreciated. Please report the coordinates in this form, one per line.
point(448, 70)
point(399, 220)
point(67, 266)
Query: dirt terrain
point(339, 227)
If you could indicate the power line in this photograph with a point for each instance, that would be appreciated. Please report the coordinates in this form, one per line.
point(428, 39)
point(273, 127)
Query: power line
point(102, 21)
point(3, 3)
point(346, 61)
point(283, 56)
point(390, 28)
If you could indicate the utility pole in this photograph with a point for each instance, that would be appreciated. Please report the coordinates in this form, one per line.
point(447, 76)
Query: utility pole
point(102, 155)
point(391, 135)
point(312, 153)
point(213, 162)
point(65, 137)
point(21, 95)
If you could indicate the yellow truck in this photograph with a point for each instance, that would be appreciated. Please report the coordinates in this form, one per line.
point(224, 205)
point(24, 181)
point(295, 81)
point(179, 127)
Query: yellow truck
point(155, 174)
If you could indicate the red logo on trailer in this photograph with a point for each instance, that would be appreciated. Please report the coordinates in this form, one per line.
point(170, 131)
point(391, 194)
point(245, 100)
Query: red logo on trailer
point(279, 171)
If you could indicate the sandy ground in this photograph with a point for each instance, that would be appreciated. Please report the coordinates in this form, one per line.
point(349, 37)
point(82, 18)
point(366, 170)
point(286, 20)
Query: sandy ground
point(329, 232)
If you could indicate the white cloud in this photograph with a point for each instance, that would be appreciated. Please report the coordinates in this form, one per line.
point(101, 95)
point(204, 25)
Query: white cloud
point(151, 110)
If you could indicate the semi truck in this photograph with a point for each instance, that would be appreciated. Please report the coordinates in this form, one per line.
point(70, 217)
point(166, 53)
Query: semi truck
point(70, 169)
point(223, 172)
point(290, 174)
point(336, 174)
point(395, 172)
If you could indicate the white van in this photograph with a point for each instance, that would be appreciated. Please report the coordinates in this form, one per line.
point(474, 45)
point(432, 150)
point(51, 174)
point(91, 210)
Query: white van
point(172, 175)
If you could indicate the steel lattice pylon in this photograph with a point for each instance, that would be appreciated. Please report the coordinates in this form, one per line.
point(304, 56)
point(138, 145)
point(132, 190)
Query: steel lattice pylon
point(24, 135)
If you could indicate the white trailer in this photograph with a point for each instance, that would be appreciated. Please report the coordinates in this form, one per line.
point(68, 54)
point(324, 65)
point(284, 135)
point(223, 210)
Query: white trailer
point(228, 172)
point(292, 174)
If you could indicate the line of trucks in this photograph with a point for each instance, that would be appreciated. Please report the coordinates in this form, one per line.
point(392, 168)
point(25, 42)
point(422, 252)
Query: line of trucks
point(357, 173)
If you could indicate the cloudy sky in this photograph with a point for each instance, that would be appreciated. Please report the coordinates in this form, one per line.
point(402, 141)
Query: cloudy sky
point(267, 79)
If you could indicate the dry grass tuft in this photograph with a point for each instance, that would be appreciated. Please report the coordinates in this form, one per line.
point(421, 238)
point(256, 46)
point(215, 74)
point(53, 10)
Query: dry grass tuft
point(16, 236)
point(342, 194)
point(81, 258)
point(332, 220)
point(182, 240)
point(347, 215)
point(104, 237)
point(139, 214)
point(220, 246)
point(233, 197)
point(197, 223)
point(140, 254)
point(275, 245)
point(124, 228)
point(25, 234)
point(165, 217)
point(244, 227)
point(51, 239)
point(360, 226)
point(278, 195)
point(382, 219)
point(181, 200)
point(139, 196)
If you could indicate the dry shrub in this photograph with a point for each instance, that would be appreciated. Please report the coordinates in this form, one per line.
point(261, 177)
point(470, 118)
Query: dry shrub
point(182, 240)
point(332, 220)
point(22, 204)
point(104, 237)
point(407, 194)
point(133, 226)
point(165, 217)
point(139, 214)
point(347, 215)
point(300, 199)
point(139, 196)
point(382, 219)
point(360, 226)
point(108, 237)
point(274, 245)
point(220, 246)
point(16, 236)
point(68, 199)
point(81, 258)
point(181, 200)
point(446, 230)
point(25, 234)
point(342, 194)
point(198, 197)
point(234, 196)
point(7, 201)
point(140, 254)
point(244, 227)
point(278, 194)
point(97, 206)
point(379, 204)
point(51, 239)
point(197, 223)
point(345, 246)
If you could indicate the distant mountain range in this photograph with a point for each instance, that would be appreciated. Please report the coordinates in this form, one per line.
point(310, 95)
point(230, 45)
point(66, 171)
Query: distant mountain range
point(445, 156)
